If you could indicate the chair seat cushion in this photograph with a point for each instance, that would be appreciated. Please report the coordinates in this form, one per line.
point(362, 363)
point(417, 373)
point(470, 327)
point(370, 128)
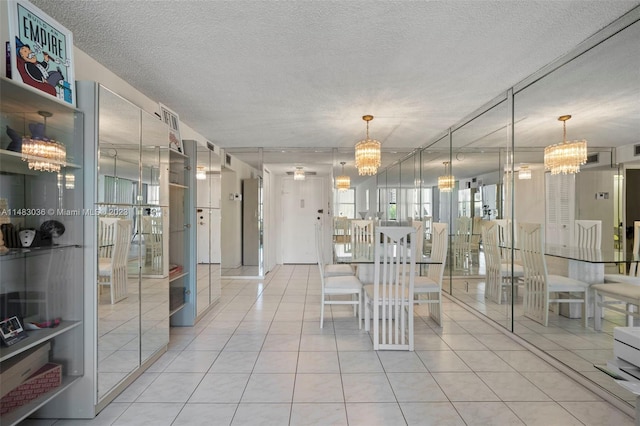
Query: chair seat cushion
point(623, 290)
point(425, 285)
point(619, 278)
point(344, 284)
point(337, 270)
point(104, 266)
point(518, 270)
point(560, 283)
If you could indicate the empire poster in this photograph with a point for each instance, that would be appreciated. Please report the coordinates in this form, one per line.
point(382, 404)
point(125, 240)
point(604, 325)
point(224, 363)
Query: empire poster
point(41, 51)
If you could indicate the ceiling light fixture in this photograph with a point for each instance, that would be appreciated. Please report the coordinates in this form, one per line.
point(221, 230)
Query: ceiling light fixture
point(43, 154)
point(343, 182)
point(367, 153)
point(298, 174)
point(200, 173)
point(446, 182)
point(565, 157)
point(524, 173)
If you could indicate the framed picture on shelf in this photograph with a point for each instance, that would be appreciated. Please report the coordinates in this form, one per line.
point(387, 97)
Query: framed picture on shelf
point(11, 331)
point(172, 119)
point(40, 51)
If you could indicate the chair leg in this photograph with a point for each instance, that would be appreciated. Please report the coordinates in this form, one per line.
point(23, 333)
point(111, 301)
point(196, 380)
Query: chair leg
point(367, 321)
point(585, 309)
point(597, 314)
point(322, 312)
point(360, 310)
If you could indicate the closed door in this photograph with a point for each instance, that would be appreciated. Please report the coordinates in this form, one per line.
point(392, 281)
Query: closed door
point(301, 201)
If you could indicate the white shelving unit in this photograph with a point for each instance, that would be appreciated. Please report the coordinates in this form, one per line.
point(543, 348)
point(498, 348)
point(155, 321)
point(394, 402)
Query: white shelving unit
point(45, 282)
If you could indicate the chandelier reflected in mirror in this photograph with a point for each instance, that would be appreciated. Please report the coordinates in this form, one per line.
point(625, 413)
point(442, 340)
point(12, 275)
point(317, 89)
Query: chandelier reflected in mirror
point(565, 157)
point(298, 174)
point(367, 153)
point(41, 153)
point(524, 173)
point(447, 181)
point(343, 182)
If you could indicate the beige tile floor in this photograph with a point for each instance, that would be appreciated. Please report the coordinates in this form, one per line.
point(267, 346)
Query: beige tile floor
point(259, 358)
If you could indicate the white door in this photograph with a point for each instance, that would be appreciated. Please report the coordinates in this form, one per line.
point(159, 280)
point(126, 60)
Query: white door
point(560, 197)
point(301, 201)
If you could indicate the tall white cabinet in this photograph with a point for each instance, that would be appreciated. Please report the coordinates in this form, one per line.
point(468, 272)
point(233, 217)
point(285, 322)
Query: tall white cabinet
point(126, 157)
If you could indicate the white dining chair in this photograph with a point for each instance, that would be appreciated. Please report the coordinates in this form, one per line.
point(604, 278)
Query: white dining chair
point(538, 284)
point(338, 285)
point(428, 289)
point(112, 271)
point(498, 270)
point(362, 238)
point(390, 297)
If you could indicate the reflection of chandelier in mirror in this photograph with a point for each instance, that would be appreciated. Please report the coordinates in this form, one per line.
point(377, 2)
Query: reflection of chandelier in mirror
point(446, 182)
point(200, 173)
point(565, 157)
point(298, 174)
point(50, 153)
point(367, 153)
point(524, 173)
point(343, 182)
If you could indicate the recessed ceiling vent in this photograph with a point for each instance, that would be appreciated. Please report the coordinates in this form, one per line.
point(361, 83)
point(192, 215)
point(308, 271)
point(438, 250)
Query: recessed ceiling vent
point(636, 150)
point(593, 158)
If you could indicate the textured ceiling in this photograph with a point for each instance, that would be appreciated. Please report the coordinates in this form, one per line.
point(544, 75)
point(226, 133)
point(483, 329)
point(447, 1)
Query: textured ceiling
point(300, 75)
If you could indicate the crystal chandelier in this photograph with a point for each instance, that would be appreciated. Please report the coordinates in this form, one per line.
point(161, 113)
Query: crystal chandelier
point(41, 153)
point(367, 153)
point(565, 157)
point(298, 174)
point(343, 182)
point(524, 173)
point(447, 181)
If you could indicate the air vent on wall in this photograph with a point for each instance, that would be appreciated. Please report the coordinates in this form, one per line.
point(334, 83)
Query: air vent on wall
point(593, 158)
point(636, 150)
point(306, 173)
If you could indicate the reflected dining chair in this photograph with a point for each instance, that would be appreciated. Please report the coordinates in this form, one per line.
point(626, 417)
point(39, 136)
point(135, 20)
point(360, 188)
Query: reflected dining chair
point(337, 285)
point(633, 275)
point(587, 234)
point(498, 271)
point(390, 297)
point(112, 271)
point(430, 285)
point(462, 243)
point(538, 284)
point(330, 269)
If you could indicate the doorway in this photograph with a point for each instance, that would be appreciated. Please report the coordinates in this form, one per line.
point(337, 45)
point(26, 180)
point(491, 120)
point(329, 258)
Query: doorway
point(303, 202)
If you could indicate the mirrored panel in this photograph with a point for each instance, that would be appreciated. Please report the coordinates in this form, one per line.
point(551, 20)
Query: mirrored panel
point(480, 164)
point(599, 90)
point(119, 237)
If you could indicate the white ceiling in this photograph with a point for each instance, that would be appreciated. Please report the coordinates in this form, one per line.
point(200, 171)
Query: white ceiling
point(296, 77)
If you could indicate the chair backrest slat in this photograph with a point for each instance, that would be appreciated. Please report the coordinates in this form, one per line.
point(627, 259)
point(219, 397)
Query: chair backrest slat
point(393, 286)
point(587, 234)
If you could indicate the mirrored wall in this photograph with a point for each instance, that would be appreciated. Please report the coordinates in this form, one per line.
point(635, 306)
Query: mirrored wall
point(133, 304)
point(496, 159)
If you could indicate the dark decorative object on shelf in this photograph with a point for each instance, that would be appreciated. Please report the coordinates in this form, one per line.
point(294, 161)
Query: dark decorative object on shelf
point(37, 131)
point(16, 140)
point(10, 234)
point(48, 231)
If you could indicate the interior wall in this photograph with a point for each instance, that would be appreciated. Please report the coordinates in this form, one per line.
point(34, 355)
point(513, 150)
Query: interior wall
point(231, 221)
point(529, 200)
point(589, 183)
